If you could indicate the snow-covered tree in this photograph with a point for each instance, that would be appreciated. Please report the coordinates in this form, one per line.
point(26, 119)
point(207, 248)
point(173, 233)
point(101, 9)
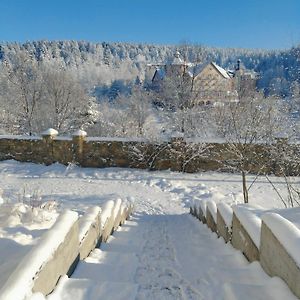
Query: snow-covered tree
point(245, 126)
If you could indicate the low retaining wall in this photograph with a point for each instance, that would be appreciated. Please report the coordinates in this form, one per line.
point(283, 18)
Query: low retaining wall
point(277, 249)
point(107, 222)
point(64, 261)
point(55, 255)
point(60, 249)
point(90, 231)
point(211, 211)
point(275, 257)
point(241, 240)
point(222, 228)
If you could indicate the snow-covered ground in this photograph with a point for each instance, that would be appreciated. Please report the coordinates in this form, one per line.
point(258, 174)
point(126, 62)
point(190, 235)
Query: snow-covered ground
point(162, 253)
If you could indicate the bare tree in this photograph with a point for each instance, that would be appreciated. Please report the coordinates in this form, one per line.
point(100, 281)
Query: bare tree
point(245, 127)
point(65, 103)
point(25, 89)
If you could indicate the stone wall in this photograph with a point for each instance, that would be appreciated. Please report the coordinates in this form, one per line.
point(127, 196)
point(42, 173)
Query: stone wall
point(175, 154)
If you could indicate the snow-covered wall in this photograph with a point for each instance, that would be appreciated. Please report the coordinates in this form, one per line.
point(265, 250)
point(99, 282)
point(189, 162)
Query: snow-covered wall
point(60, 249)
point(279, 250)
point(268, 237)
point(40, 269)
point(176, 154)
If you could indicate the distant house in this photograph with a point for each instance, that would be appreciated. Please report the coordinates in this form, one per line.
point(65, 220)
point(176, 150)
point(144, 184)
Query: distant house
point(211, 83)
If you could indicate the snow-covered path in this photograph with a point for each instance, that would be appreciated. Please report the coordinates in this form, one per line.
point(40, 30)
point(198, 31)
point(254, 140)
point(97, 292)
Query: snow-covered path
point(161, 253)
point(168, 257)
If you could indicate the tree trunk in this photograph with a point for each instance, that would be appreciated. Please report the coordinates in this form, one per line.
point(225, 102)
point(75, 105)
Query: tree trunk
point(245, 190)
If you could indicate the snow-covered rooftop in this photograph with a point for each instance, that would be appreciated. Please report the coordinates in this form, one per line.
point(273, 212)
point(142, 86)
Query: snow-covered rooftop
point(221, 71)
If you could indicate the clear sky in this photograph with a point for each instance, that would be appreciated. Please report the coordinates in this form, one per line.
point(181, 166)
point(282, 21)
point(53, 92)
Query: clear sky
point(269, 24)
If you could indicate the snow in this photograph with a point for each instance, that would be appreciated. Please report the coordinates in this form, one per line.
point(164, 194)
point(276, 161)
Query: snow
point(63, 138)
point(212, 207)
point(20, 282)
point(1, 199)
point(221, 70)
point(107, 211)
point(203, 206)
point(286, 232)
point(116, 139)
point(162, 256)
point(117, 208)
point(226, 212)
point(161, 253)
point(86, 220)
point(79, 133)
point(21, 137)
point(50, 131)
point(250, 221)
point(291, 214)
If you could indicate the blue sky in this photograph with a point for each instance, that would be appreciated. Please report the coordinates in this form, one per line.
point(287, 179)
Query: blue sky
point(268, 24)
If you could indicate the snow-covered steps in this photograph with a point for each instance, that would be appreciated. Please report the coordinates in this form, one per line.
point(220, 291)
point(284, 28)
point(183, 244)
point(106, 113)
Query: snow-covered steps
point(112, 266)
point(168, 257)
point(87, 289)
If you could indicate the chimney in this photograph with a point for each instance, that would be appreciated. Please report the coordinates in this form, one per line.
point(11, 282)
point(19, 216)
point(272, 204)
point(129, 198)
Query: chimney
point(238, 65)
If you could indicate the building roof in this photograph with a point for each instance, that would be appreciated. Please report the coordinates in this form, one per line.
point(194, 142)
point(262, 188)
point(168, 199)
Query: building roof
point(221, 70)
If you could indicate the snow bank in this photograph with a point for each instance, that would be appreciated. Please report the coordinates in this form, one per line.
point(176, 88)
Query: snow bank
point(212, 207)
point(226, 212)
point(250, 221)
point(286, 232)
point(21, 281)
point(86, 220)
